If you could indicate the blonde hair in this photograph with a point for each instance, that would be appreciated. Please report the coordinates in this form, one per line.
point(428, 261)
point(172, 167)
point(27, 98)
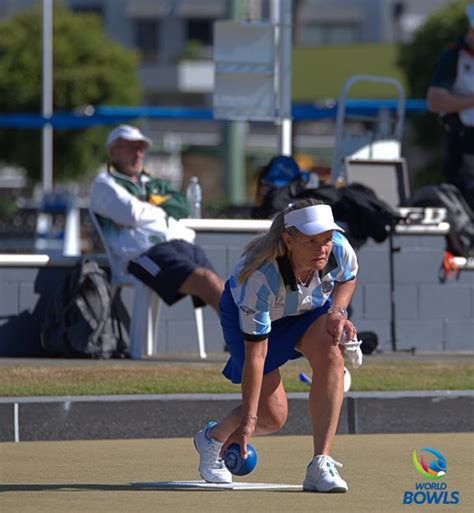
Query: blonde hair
point(270, 245)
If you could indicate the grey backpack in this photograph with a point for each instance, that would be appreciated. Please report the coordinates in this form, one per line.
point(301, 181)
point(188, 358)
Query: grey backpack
point(80, 321)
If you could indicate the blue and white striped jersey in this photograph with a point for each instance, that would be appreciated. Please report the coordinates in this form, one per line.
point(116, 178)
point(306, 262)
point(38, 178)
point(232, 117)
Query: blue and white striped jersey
point(271, 292)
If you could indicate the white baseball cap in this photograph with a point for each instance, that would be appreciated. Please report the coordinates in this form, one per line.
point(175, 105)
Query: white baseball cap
point(312, 220)
point(470, 14)
point(127, 132)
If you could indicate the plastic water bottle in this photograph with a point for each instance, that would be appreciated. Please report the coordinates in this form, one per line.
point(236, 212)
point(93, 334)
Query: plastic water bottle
point(194, 197)
point(340, 182)
point(313, 181)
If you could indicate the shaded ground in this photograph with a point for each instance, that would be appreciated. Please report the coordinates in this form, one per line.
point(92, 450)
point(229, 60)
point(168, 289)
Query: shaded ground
point(97, 476)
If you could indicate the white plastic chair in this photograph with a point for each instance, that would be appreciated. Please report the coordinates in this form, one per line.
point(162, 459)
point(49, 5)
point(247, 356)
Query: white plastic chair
point(146, 307)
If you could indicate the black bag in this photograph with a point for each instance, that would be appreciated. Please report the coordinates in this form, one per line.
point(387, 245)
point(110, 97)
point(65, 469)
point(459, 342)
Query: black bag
point(80, 321)
point(365, 214)
point(278, 198)
point(460, 239)
point(279, 182)
point(327, 193)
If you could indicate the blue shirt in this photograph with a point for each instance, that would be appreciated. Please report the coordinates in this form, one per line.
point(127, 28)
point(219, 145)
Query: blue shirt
point(271, 291)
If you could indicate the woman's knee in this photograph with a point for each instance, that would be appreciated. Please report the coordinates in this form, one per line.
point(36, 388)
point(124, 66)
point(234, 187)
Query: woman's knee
point(329, 356)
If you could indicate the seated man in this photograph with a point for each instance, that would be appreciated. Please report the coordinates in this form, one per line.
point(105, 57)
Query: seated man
point(139, 216)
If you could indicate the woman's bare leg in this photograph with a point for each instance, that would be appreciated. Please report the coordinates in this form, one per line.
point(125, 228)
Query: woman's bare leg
point(272, 410)
point(327, 389)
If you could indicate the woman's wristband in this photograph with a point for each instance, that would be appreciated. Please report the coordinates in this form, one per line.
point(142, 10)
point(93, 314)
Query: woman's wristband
point(250, 417)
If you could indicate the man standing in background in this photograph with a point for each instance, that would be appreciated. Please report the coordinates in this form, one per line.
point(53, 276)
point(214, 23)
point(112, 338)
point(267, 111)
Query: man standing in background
point(451, 94)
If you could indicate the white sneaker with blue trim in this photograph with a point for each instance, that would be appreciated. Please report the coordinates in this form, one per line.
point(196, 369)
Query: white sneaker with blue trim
point(322, 476)
point(211, 465)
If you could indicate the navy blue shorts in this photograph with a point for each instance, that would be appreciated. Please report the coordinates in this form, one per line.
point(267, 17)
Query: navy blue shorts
point(166, 266)
point(285, 334)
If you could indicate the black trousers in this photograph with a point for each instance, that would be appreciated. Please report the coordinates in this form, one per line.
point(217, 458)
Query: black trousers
point(458, 165)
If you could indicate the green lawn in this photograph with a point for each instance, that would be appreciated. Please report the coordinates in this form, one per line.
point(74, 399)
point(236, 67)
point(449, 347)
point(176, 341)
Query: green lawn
point(320, 72)
point(130, 377)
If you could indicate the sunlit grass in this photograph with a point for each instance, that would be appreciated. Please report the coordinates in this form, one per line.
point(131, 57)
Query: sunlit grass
point(129, 377)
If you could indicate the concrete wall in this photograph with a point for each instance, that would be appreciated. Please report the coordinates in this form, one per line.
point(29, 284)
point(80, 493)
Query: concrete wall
point(179, 415)
point(430, 316)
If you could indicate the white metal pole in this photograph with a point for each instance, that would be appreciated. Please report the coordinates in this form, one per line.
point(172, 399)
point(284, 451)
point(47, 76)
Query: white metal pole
point(47, 104)
point(284, 131)
point(16, 422)
point(281, 14)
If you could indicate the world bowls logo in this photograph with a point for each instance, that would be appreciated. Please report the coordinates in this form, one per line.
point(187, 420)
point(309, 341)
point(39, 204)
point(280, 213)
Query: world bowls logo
point(432, 464)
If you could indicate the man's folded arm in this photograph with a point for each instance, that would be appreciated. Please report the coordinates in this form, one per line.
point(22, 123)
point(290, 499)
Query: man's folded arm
point(117, 204)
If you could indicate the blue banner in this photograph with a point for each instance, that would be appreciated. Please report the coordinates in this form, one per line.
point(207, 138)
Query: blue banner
point(111, 115)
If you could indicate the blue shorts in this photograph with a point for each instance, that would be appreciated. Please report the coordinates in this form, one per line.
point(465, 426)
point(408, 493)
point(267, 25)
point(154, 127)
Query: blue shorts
point(165, 267)
point(285, 334)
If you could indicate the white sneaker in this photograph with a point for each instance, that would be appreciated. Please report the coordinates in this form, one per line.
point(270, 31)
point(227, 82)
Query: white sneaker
point(211, 466)
point(322, 476)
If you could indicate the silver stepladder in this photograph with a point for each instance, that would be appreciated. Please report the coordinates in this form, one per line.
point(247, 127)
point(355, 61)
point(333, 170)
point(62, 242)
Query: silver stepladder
point(146, 309)
point(381, 138)
point(388, 178)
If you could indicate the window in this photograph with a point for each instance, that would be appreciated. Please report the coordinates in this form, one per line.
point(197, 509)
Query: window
point(147, 39)
point(97, 10)
point(200, 30)
point(313, 34)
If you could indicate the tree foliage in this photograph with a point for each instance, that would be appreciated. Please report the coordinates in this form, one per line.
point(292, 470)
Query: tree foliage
point(88, 69)
point(417, 59)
